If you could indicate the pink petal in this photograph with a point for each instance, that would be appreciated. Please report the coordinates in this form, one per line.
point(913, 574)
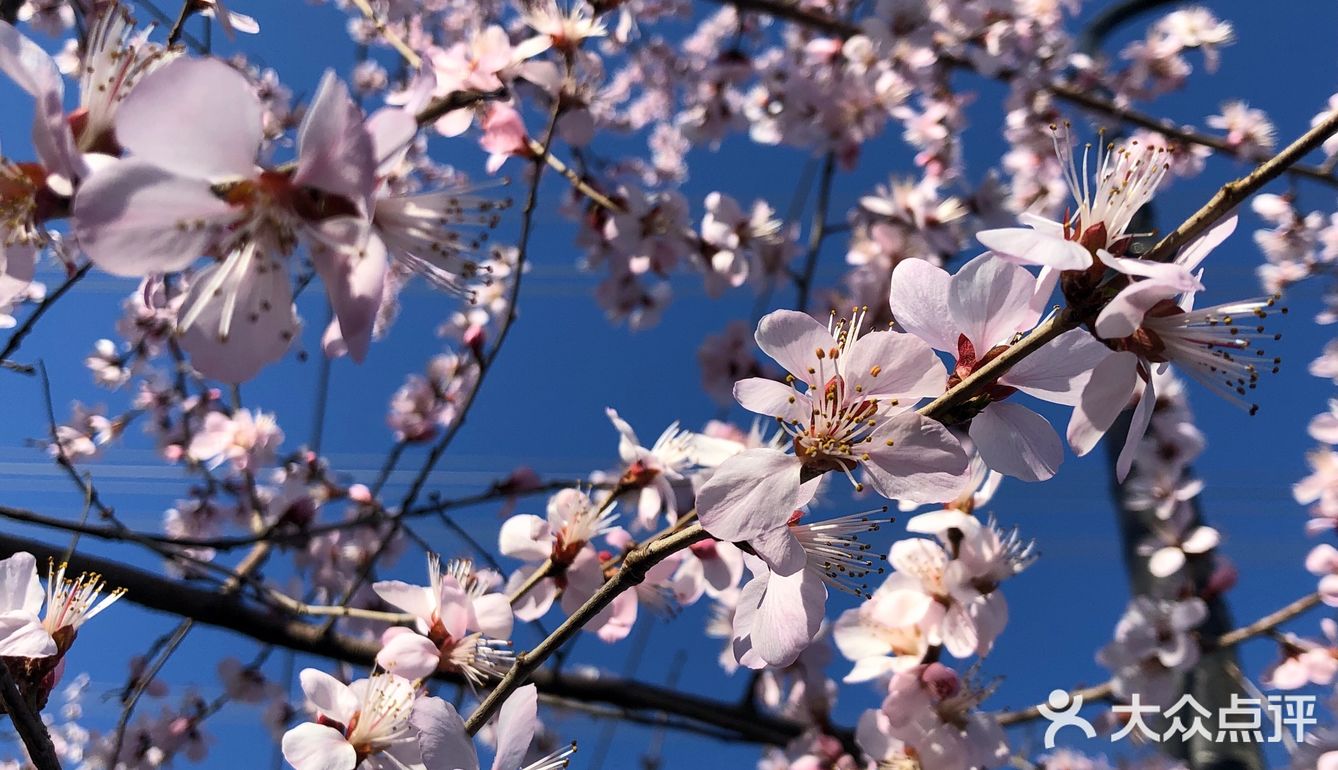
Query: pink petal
point(410, 656)
point(887, 363)
point(537, 601)
point(441, 736)
point(334, 150)
point(919, 302)
point(788, 616)
point(22, 636)
point(1030, 247)
point(1059, 371)
point(793, 339)
point(20, 588)
point(780, 549)
point(1016, 441)
point(1107, 393)
point(924, 463)
point(771, 398)
point(516, 722)
point(492, 613)
point(133, 218)
point(259, 330)
point(392, 131)
point(990, 299)
point(526, 537)
point(1123, 315)
point(749, 494)
point(415, 600)
point(1190, 256)
point(194, 117)
point(328, 695)
point(1166, 562)
point(1201, 540)
point(36, 73)
point(352, 266)
point(310, 746)
point(1138, 425)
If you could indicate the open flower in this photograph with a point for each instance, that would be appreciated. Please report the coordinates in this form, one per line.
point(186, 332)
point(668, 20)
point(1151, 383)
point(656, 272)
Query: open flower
point(69, 604)
point(1152, 323)
point(650, 474)
point(1126, 179)
point(190, 187)
point(853, 413)
point(781, 609)
point(975, 315)
point(381, 723)
point(448, 618)
point(564, 537)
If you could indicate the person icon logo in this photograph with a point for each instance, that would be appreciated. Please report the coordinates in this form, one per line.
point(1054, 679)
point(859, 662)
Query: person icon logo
point(1061, 709)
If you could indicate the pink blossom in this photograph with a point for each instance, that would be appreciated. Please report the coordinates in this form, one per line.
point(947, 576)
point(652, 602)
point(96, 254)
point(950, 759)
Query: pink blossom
point(934, 713)
point(1126, 178)
point(381, 722)
point(503, 135)
point(650, 474)
point(247, 440)
point(173, 201)
point(975, 314)
point(564, 536)
point(446, 611)
point(1153, 643)
point(855, 412)
point(69, 604)
point(1303, 661)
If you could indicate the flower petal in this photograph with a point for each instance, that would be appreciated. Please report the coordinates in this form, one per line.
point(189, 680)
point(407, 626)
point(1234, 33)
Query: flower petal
point(990, 299)
point(793, 339)
point(195, 117)
point(1059, 370)
point(233, 340)
point(771, 398)
point(1106, 394)
point(334, 149)
point(888, 363)
point(310, 746)
point(1030, 247)
point(919, 301)
point(1017, 442)
point(133, 218)
point(914, 458)
point(515, 727)
point(441, 736)
point(749, 494)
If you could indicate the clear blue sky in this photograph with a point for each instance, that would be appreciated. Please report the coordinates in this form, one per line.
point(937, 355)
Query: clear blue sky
point(543, 406)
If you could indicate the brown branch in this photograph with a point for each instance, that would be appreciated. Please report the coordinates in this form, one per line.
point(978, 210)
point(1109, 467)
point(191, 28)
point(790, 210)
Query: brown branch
point(1233, 193)
point(633, 570)
point(27, 723)
point(641, 701)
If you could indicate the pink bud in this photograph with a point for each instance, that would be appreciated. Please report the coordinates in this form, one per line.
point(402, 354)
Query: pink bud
point(359, 493)
point(940, 680)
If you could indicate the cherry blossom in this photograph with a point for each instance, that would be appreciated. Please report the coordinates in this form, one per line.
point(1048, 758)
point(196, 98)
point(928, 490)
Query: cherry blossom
point(445, 613)
point(380, 722)
point(207, 197)
point(1126, 179)
point(564, 537)
point(855, 412)
point(975, 315)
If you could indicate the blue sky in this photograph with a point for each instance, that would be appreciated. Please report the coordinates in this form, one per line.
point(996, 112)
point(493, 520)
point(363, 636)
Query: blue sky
point(543, 405)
